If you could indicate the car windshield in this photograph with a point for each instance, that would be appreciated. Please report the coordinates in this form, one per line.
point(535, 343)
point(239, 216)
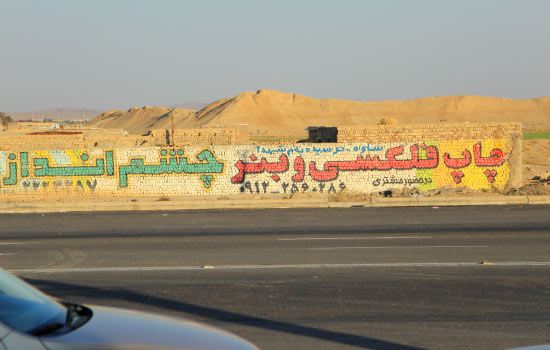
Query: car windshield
point(24, 308)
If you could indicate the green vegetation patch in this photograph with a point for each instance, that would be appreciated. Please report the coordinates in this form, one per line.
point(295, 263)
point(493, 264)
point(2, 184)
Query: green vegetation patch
point(536, 135)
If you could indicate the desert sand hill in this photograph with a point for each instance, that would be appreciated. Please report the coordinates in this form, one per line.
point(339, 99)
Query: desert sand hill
point(140, 120)
point(278, 113)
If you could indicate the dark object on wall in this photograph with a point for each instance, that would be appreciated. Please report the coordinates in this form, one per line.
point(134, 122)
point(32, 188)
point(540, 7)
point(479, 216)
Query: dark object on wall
point(318, 134)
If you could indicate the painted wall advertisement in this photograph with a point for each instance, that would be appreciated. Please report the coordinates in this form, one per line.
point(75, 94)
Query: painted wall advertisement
point(323, 168)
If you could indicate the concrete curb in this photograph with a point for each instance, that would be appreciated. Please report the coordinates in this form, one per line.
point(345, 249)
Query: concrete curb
point(49, 207)
point(446, 201)
point(538, 199)
point(125, 204)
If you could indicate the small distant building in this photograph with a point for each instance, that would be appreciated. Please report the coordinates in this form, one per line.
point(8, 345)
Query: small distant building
point(319, 134)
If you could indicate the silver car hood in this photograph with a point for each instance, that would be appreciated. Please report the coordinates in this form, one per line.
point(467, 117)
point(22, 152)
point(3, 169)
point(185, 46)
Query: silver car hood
point(116, 329)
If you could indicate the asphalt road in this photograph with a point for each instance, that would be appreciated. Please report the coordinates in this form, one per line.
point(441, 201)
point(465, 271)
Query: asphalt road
point(354, 278)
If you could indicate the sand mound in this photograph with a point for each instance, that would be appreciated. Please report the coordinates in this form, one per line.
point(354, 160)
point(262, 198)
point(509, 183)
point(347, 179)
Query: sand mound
point(279, 113)
point(140, 120)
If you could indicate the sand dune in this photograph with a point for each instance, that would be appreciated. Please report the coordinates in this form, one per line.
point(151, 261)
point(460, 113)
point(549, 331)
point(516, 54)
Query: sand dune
point(139, 120)
point(278, 113)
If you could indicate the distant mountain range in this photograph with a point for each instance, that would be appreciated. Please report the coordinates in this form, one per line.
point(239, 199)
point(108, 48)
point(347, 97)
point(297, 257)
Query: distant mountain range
point(57, 114)
point(63, 113)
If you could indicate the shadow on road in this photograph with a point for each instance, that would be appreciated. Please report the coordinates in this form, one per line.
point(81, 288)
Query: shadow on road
point(58, 288)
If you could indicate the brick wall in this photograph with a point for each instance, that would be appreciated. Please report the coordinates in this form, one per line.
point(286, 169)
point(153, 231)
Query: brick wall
point(112, 138)
point(182, 137)
point(240, 131)
point(361, 167)
point(33, 142)
point(419, 132)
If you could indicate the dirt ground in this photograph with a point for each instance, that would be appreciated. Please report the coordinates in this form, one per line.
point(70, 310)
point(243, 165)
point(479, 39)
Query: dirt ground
point(536, 167)
point(536, 159)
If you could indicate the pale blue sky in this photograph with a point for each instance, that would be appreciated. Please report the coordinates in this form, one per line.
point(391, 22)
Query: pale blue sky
point(117, 54)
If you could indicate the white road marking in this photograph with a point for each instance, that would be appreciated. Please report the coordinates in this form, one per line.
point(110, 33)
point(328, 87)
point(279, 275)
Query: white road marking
point(267, 267)
point(405, 247)
point(9, 243)
point(348, 238)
